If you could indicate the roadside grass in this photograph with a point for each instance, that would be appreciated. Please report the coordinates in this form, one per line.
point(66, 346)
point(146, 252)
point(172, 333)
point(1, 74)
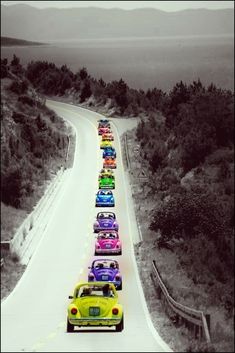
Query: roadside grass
point(180, 285)
point(11, 272)
point(11, 220)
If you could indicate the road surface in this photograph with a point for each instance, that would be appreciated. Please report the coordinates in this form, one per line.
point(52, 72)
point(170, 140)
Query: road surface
point(34, 314)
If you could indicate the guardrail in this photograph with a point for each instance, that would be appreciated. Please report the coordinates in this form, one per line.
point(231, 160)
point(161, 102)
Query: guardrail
point(193, 319)
point(29, 223)
point(126, 151)
point(2, 262)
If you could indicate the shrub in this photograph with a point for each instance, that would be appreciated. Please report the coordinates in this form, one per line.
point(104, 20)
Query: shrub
point(26, 100)
point(19, 87)
point(11, 187)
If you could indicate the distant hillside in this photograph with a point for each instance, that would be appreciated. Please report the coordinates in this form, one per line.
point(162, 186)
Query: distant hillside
point(23, 21)
point(7, 41)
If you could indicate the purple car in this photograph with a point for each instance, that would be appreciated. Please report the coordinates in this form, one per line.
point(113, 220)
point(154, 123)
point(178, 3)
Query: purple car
point(105, 221)
point(106, 270)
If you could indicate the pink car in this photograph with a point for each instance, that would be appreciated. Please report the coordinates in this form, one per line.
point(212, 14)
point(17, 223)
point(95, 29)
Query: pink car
point(108, 242)
point(103, 130)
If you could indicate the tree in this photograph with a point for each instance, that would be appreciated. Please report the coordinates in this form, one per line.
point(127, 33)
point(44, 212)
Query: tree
point(83, 74)
point(86, 92)
point(15, 61)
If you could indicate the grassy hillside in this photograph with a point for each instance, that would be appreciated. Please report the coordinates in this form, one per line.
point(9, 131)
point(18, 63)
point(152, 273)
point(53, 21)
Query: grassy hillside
point(7, 41)
point(33, 146)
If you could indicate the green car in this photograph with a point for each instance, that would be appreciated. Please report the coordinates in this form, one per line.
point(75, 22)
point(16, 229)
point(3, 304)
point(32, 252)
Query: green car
point(107, 182)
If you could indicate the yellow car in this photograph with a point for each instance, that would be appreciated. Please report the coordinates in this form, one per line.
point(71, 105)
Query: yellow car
point(106, 172)
point(95, 304)
point(105, 143)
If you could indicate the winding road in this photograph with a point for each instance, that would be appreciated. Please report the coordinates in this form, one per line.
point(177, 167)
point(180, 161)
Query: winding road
point(33, 317)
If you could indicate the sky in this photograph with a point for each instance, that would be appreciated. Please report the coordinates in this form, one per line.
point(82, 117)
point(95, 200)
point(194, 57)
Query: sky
point(128, 5)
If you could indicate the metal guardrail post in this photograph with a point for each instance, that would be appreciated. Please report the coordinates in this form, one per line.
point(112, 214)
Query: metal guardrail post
point(190, 317)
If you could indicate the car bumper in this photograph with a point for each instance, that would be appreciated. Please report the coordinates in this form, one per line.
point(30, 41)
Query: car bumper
point(109, 166)
point(95, 321)
point(106, 186)
point(116, 283)
point(108, 251)
point(100, 204)
point(98, 229)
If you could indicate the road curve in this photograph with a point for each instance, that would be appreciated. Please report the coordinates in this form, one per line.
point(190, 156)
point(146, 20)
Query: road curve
point(34, 315)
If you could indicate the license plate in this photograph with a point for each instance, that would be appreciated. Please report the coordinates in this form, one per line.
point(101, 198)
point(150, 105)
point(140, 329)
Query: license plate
point(108, 246)
point(105, 278)
point(94, 311)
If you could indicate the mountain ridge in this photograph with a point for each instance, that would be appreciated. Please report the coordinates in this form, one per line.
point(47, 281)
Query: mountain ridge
point(86, 23)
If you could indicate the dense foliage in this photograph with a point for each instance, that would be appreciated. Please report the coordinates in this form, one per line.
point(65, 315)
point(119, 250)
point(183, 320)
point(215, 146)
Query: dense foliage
point(190, 155)
point(32, 137)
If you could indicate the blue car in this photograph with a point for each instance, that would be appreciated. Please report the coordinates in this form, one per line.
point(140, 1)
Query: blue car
point(104, 198)
point(109, 152)
point(106, 270)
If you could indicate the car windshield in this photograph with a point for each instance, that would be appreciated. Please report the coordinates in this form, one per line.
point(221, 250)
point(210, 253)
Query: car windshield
point(98, 264)
point(93, 290)
point(106, 215)
point(111, 235)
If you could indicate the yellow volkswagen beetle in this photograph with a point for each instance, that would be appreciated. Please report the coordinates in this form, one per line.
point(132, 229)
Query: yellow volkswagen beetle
point(105, 143)
point(95, 304)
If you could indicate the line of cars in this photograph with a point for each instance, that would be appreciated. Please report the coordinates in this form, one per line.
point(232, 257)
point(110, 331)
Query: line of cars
point(95, 302)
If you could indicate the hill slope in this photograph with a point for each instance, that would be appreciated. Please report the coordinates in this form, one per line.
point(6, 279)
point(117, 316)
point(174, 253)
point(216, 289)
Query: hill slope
point(7, 41)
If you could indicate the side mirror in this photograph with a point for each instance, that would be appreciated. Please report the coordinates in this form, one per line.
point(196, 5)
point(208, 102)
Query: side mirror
point(89, 267)
point(70, 297)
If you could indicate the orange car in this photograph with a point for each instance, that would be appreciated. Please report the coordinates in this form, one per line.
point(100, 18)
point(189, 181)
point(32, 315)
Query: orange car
point(109, 162)
point(107, 136)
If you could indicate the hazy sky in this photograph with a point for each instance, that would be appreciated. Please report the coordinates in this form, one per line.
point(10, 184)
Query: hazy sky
point(128, 5)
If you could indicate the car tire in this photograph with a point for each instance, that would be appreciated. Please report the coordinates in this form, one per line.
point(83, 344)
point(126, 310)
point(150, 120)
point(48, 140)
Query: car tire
point(70, 328)
point(120, 326)
point(120, 252)
point(119, 287)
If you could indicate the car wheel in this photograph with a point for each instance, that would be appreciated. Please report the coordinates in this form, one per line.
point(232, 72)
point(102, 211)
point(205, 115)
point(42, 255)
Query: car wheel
point(120, 287)
point(120, 326)
point(70, 328)
point(120, 252)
